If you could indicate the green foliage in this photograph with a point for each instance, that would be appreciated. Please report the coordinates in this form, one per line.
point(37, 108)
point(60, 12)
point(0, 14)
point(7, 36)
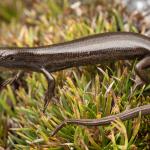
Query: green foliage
point(84, 92)
point(10, 9)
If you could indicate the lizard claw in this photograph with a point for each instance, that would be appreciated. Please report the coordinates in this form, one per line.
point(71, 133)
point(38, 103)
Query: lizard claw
point(47, 101)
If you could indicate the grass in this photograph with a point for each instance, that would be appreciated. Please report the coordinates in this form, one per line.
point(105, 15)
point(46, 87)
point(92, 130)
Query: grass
point(84, 92)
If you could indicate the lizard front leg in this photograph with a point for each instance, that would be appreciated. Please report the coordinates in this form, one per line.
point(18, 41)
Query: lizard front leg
point(51, 86)
point(140, 69)
point(11, 80)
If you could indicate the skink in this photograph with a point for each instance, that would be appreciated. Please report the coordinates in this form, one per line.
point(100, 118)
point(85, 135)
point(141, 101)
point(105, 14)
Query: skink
point(93, 49)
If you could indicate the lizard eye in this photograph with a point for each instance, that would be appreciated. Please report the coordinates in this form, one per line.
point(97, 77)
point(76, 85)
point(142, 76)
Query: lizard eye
point(11, 58)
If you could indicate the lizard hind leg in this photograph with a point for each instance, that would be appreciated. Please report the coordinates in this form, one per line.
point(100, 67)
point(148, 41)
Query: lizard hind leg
point(141, 69)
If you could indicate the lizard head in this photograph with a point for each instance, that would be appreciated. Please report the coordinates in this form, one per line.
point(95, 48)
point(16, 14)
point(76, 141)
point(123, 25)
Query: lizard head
point(7, 57)
point(17, 59)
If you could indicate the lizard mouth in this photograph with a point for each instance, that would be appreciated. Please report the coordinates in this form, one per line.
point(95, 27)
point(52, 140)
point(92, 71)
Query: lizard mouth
point(2, 58)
